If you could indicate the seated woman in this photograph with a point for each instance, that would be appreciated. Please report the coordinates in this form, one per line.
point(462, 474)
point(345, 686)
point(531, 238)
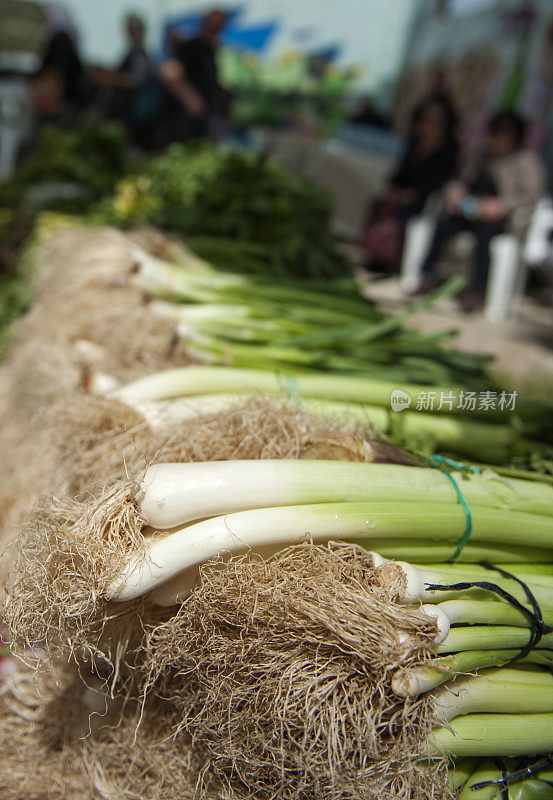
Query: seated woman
point(496, 193)
point(428, 164)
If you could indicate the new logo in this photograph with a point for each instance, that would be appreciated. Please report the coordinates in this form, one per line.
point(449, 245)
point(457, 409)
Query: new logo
point(399, 400)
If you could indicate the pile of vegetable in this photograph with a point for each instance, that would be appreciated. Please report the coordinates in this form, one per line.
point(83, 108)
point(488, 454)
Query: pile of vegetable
point(260, 321)
point(350, 357)
point(68, 170)
point(229, 574)
point(319, 109)
point(86, 161)
point(331, 657)
point(206, 191)
point(297, 89)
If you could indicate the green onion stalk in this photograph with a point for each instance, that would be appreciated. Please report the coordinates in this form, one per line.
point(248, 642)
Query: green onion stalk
point(228, 507)
point(461, 771)
point(340, 329)
point(367, 399)
point(495, 735)
point(187, 381)
point(483, 779)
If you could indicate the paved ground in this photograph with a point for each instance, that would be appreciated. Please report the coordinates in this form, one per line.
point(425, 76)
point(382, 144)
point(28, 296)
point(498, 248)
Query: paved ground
point(522, 346)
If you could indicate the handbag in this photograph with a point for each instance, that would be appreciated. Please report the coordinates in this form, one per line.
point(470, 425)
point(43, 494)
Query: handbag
point(382, 241)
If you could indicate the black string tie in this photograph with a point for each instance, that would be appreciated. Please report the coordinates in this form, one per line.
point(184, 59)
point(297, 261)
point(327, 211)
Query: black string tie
point(528, 771)
point(538, 627)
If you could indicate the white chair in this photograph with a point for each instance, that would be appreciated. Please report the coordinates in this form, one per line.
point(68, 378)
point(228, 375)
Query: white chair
point(419, 232)
point(537, 248)
point(504, 284)
point(510, 258)
point(418, 238)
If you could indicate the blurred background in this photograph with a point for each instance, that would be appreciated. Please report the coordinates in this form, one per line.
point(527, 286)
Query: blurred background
point(383, 103)
point(297, 66)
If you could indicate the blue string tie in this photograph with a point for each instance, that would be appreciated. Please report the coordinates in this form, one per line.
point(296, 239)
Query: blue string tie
point(442, 463)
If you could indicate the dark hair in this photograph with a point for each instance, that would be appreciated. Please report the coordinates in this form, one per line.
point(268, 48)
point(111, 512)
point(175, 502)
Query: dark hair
point(216, 11)
point(445, 105)
point(136, 21)
point(510, 123)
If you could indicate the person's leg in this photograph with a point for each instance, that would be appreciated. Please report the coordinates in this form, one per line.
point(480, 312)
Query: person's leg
point(484, 232)
point(446, 227)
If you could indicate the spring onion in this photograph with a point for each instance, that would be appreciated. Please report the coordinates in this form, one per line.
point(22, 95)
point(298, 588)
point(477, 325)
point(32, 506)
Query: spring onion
point(173, 494)
point(499, 691)
point(486, 735)
point(419, 680)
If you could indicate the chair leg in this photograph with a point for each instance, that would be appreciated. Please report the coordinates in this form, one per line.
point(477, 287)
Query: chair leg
point(418, 236)
point(504, 277)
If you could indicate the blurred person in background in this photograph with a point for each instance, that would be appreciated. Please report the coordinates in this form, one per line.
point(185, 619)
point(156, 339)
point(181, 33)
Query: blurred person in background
point(366, 113)
point(191, 79)
point(59, 89)
point(137, 96)
point(496, 193)
point(428, 164)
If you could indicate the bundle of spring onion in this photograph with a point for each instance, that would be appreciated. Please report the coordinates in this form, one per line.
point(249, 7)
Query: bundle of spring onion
point(248, 321)
point(332, 344)
point(491, 679)
point(397, 509)
point(495, 695)
point(491, 437)
point(407, 512)
point(132, 557)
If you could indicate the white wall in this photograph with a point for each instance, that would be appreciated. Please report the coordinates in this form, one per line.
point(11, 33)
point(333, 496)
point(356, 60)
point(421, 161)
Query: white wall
point(467, 6)
point(372, 32)
point(100, 24)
